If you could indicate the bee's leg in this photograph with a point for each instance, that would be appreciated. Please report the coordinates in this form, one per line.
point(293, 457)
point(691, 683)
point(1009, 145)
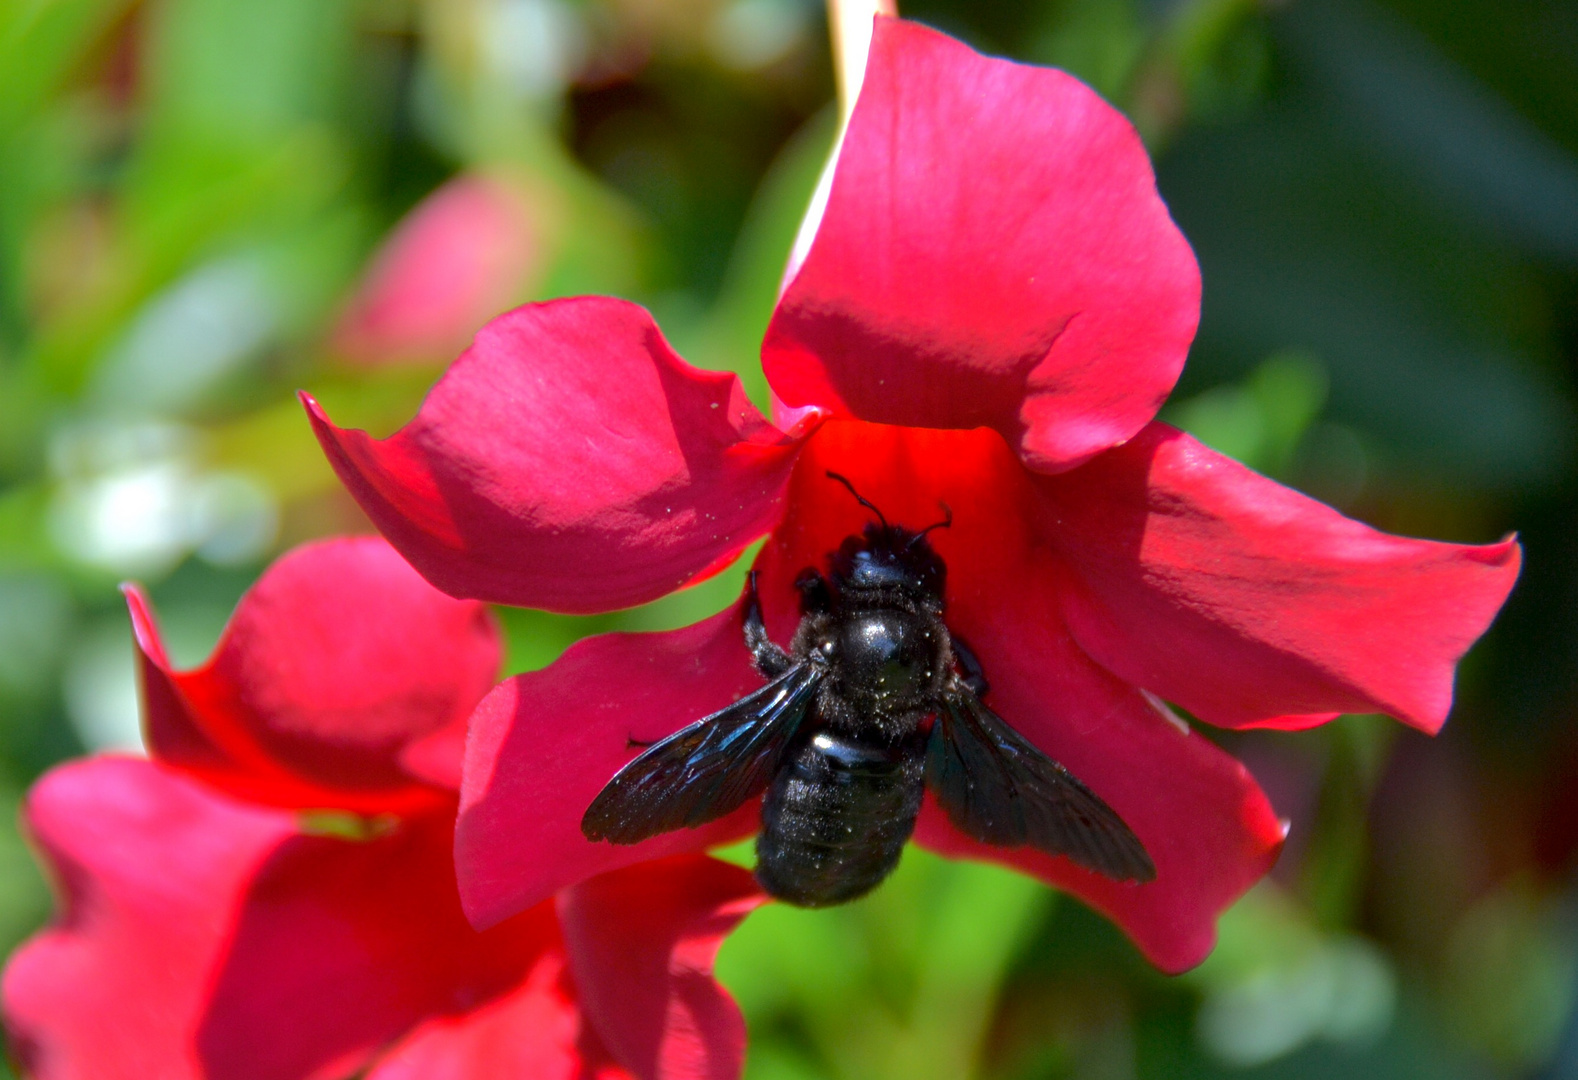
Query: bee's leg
point(770, 660)
point(816, 598)
point(970, 665)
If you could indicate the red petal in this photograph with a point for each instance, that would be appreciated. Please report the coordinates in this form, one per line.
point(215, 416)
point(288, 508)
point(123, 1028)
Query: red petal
point(342, 947)
point(204, 937)
point(641, 944)
point(570, 460)
point(910, 474)
point(544, 744)
point(1202, 818)
point(151, 868)
point(173, 734)
point(1242, 600)
point(993, 253)
point(343, 679)
point(532, 1031)
point(451, 264)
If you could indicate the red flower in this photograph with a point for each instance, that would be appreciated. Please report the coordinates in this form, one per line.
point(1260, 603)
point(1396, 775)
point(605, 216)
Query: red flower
point(994, 306)
point(342, 680)
point(209, 930)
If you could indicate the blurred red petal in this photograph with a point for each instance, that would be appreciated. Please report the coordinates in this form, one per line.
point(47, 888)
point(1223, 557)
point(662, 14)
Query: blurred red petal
point(464, 254)
point(173, 734)
point(343, 679)
point(342, 947)
point(201, 937)
point(570, 460)
point(205, 937)
point(1242, 600)
point(150, 868)
point(641, 944)
point(532, 1031)
point(545, 743)
point(993, 253)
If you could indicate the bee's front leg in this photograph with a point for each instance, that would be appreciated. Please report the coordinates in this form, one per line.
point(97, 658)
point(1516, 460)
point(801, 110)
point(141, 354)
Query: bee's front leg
point(770, 660)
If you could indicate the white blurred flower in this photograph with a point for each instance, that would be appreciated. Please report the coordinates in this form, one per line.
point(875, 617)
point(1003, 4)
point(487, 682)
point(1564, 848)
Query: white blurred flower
point(135, 499)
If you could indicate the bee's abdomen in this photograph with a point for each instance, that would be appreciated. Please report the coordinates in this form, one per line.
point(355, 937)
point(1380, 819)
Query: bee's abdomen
point(836, 816)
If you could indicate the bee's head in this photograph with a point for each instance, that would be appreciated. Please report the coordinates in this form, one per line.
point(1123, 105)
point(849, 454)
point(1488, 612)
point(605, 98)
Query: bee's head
point(890, 558)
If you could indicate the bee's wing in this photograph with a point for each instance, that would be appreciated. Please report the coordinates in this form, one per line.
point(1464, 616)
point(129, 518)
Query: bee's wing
point(704, 771)
point(998, 788)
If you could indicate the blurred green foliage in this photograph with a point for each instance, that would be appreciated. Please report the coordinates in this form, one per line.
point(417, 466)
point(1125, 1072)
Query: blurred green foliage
point(1383, 195)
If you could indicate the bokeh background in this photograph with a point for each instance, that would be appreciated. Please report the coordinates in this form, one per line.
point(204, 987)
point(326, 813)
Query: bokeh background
point(205, 204)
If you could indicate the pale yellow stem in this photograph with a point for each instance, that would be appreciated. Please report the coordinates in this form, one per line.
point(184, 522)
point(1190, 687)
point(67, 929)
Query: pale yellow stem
point(849, 21)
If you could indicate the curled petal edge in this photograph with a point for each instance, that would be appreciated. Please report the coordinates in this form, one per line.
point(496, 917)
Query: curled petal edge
point(570, 461)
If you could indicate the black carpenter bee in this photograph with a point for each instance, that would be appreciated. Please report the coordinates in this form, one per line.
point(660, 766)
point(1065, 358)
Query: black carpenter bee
point(840, 742)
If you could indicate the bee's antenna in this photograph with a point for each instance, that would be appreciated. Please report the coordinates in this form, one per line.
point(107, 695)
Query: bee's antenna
point(861, 499)
point(947, 521)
